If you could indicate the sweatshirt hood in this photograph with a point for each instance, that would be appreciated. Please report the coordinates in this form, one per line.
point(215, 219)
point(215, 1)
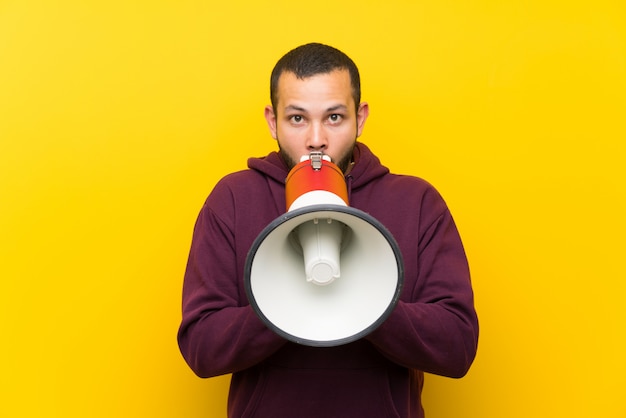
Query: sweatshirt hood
point(271, 165)
point(366, 167)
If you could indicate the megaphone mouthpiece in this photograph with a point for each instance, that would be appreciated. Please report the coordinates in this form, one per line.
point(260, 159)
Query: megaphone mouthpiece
point(315, 180)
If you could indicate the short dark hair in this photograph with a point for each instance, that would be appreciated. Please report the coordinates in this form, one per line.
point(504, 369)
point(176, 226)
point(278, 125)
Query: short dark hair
point(313, 59)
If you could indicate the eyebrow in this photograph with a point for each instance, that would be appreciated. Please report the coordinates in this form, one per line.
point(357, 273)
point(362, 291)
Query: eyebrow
point(338, 107)
point(296, 108)
point(301, 109)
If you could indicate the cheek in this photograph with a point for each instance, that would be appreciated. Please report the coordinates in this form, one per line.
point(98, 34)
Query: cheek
point(347, 133)
point(291, 141)
point(288, 136)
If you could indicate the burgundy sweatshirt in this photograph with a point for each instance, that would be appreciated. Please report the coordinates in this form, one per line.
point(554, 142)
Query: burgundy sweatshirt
point(433, 329)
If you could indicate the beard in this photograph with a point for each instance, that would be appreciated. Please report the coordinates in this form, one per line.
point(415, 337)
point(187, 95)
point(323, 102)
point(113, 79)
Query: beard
point(343, 162)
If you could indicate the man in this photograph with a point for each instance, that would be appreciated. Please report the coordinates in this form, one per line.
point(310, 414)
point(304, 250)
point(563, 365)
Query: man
point(316, 106)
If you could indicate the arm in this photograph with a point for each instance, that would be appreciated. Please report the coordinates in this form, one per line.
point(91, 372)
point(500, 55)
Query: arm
point(219, 332)
point(434, 328)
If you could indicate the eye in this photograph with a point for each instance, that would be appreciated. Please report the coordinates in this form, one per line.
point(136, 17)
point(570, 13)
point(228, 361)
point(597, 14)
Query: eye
point(335, 118)
point(296, 119)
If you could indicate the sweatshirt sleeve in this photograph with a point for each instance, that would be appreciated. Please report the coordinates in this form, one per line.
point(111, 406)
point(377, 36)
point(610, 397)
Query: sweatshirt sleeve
point(219, 332)
point(434, 327)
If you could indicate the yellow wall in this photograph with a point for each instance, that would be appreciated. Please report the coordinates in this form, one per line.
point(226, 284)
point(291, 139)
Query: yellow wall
point(117, 117)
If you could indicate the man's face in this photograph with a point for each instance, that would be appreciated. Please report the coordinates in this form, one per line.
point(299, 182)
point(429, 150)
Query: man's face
point(317, 113)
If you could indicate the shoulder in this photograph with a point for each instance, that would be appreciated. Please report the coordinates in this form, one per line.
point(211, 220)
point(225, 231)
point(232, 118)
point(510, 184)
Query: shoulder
point(407, 185)
point(230, 187)
point(247, 192)
point(242, 181)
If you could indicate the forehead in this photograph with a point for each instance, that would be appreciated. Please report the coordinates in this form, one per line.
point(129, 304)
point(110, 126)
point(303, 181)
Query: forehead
point(320, 88)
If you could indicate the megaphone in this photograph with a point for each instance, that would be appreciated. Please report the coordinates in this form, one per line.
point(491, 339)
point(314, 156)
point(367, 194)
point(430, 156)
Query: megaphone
point(322, 274)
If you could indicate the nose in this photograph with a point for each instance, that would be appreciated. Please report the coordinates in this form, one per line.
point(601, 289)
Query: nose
point(316, 138)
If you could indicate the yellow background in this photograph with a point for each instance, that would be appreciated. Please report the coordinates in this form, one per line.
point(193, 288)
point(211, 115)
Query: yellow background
point(117, 117)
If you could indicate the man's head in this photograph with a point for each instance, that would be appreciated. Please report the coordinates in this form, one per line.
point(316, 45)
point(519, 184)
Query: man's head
point(315, 93)
point(313, 59)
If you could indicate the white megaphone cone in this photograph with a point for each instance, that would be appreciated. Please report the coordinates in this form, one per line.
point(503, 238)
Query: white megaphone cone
point(322, 274)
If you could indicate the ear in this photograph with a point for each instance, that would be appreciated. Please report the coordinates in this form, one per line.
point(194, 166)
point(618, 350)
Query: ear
point(270, 117)
point(361, 116)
